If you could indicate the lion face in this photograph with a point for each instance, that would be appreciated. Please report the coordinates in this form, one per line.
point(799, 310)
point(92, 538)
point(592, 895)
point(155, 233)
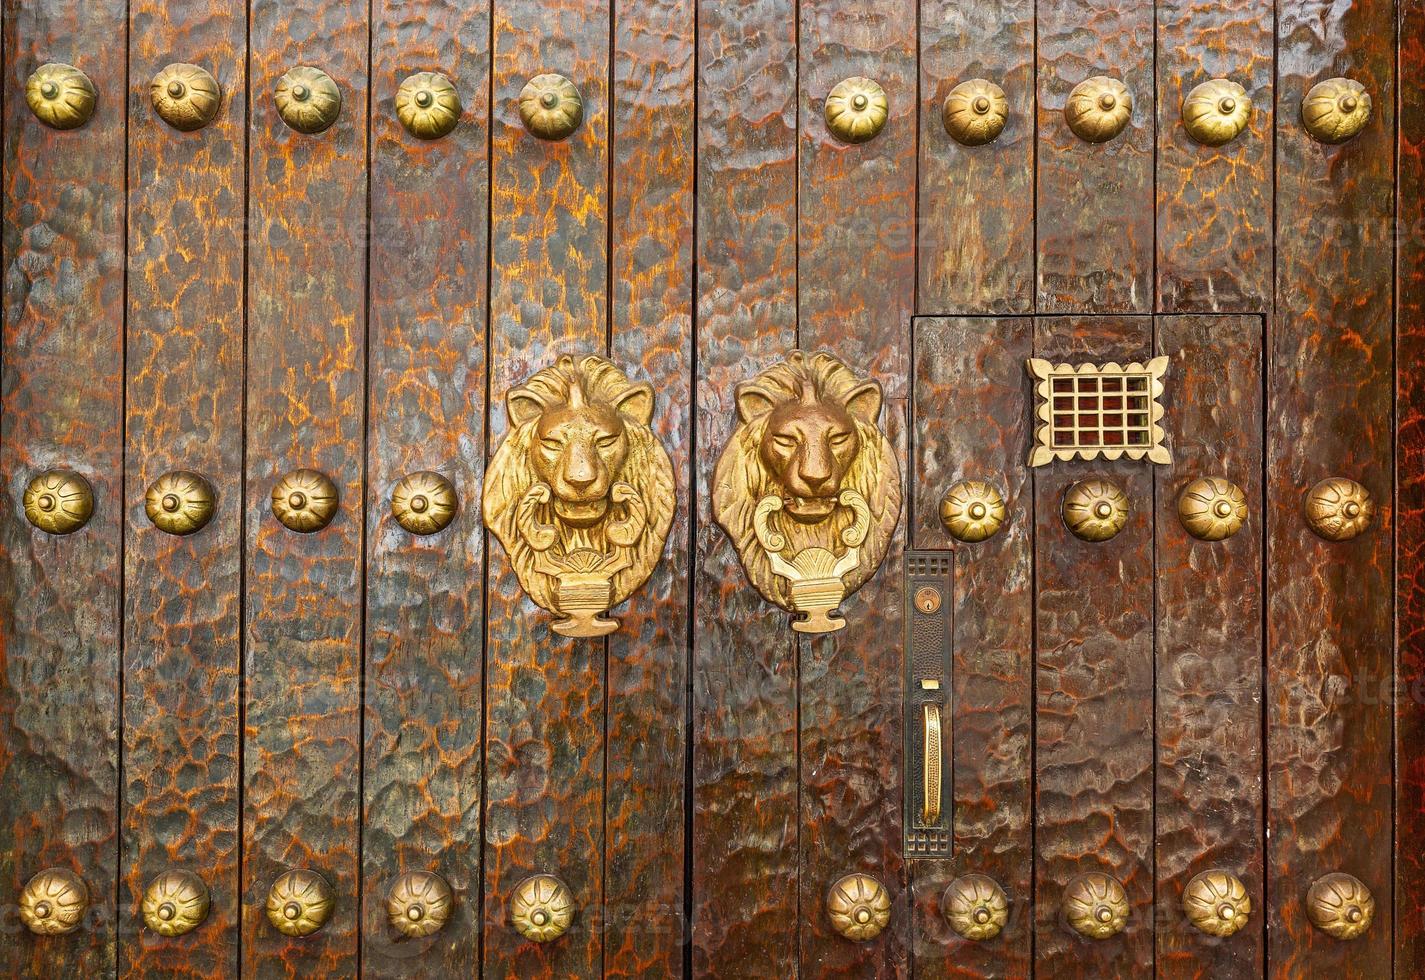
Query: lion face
point(579, 452)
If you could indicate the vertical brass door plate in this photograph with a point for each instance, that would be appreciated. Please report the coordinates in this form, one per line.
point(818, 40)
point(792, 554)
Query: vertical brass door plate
point(928, 648)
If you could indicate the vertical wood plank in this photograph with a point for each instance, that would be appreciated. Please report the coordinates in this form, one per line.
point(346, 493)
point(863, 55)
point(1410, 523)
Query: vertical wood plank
point(856, 294)
point(975, 236)
point(745, 891)
point(545, 695)
point(1094, 202)
point(425, 595)
point(1214, 214)
point(305, 408)
point(971, 423)
point(182, 595)
point(651, 335)
point(1208, 808)
point(1094, 688)
point(1329, 603)
point(61, 407)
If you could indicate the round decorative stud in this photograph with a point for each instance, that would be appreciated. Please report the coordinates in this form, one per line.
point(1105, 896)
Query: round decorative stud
point(53, 902)
point(1098, 109)
point(299, 902)
point(428, 105)
point(1095, 510)
point(175, 902)
point(1340, 905)
point(856, 109)
point(541, 908)
point(1338, 509)
point(1216, 112)
point(1216, 902)
point(859, 906)
point(1336, 110)
point(1096, 905)
point(551, 108)
point(179, 502)
point(975, 112)
point(423, 503)
point(307, 99)
point(1212, 508)
point(418, 903)
point(185, 96)
point(58, 501)
point(61, 96)
point(304, 500)
point(972, 511)
point(976, 907)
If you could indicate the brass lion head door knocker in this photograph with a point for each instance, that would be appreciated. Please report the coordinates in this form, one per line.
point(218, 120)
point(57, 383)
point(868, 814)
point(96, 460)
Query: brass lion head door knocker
point(580, 493)
point(808, 487)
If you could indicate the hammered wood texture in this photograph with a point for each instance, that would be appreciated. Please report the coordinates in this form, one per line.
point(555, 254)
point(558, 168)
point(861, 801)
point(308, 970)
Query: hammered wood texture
point(1094, 212)
point(975, 237)
point(1209, 644)
point(1094, 687)
point(182, 594)
point(305, 357)
point(61, 407)
point(970, 423)
point(545, 696)
point(424, 594)
point(1329, 603)
point(1214, 204)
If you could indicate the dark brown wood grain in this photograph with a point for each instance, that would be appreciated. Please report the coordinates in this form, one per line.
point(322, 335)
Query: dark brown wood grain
point(1329, 603)
point(305, 408)
point(970, 422)
point(1094, 213)
point(744, 846)
point(424, 594)
point(61, 407)
point(856, 294)
point(651, 335)
point(975, 235)
point(1094, 687)
point(1208, 807)
point(1214, 204)
point(182, 595)
point(545, 695)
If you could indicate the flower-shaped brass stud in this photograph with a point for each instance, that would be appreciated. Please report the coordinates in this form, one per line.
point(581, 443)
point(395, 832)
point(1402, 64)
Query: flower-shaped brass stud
point(1096, 906)
point(972, 510)
point(976, 907)
point(428, 105)
point(1336, 110)
point(551, 108)
point(185, 96)
point(175, 902)
point(58, 501)
point(53, 902)
point(541, 908)
point(179, 502)
point(1216, 112)
point(1212, 508)
point(859, 907)
point(1338, 509)
point(1098, 109)
point(423, 503)
point(307, 99)
point(1216, 902)
point(61, 96)
point(975, 112)
point(856, 109)
point(418, 903)
point(299, 902)
point(1095, 510)
point(1340, 905)
point(304, 500)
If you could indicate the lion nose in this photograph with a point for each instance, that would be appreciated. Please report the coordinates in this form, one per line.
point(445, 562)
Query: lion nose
point(580, 473)
point(816, 474)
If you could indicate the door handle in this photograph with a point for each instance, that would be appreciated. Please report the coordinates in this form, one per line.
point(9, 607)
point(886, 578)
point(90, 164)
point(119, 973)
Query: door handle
point(930, 745)
point(926, 741)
